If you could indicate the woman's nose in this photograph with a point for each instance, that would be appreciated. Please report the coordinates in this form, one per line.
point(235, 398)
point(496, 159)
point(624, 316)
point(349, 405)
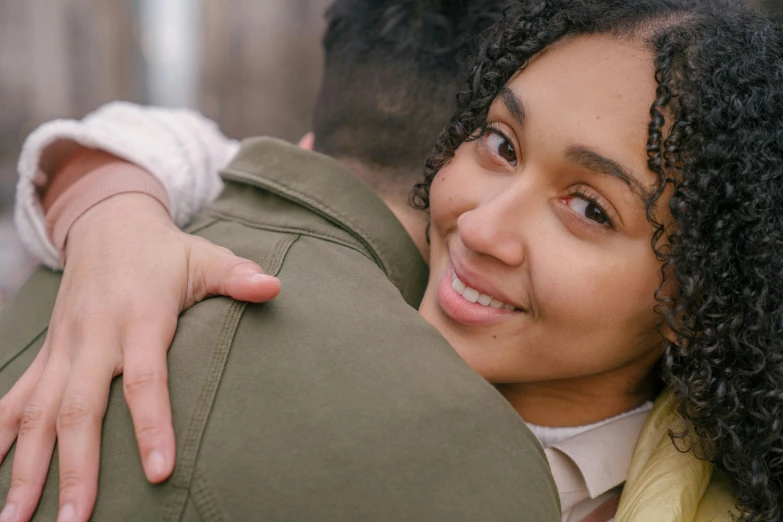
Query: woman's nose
point(495, 228)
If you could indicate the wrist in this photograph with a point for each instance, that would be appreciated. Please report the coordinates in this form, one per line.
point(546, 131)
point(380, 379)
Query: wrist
point(106, 181)
point(80, 163)
point(117, 218)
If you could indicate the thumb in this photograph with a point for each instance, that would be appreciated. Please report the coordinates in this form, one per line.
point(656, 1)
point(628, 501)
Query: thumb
point(222, 273)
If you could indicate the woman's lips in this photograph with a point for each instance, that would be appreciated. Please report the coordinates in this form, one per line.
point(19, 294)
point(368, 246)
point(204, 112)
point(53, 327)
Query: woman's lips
point(465, 309)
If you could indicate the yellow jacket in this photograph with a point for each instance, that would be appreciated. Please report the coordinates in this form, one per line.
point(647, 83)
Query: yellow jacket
point(666, 485)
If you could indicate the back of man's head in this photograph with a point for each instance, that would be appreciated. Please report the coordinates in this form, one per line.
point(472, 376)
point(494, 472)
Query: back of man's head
point(393, 69)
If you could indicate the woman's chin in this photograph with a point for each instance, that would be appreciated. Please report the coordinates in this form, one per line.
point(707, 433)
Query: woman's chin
point(486, 363)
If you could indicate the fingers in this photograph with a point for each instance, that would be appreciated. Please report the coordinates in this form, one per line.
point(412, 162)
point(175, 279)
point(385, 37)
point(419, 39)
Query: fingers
point(307, 142)
point(256, 288)
point(79, 435)
point(36, 442)
point(145, 383)
point(13, 403)
point(220, 272)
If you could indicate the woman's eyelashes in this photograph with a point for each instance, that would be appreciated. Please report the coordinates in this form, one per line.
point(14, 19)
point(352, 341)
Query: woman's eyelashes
point(581, 201)
point(500, 145)
point(589, 207)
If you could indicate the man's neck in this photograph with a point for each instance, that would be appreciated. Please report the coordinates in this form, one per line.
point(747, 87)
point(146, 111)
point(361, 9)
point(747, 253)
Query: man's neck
point(414, 221)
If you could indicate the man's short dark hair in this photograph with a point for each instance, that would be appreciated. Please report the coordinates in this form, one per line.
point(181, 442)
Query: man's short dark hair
point(393, 69)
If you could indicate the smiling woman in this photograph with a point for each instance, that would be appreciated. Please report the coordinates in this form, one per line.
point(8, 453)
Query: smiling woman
point(545, 213)
point(606, 222)
point(614, 174)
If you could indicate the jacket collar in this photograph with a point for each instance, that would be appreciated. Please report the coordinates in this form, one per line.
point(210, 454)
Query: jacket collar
point(326, 187)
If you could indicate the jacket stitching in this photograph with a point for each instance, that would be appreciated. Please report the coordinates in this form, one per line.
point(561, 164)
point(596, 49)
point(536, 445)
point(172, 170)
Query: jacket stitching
point(304, 231)
point(324, 210)
point(183, 475)
point(279, 255)
point(205, 501)
point(185, 483)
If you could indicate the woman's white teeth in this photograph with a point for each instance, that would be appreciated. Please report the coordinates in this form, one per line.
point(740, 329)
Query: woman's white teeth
point(472, 295)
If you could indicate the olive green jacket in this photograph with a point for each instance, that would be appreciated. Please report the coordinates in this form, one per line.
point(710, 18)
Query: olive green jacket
point(334, 402)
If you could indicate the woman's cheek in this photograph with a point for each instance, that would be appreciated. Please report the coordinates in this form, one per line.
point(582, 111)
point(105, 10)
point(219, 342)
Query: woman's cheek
point(439, 200)
point(451, 195)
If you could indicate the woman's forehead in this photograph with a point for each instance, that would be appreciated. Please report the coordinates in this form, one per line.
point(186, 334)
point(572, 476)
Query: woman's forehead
point(593, 90)
point(593, 71)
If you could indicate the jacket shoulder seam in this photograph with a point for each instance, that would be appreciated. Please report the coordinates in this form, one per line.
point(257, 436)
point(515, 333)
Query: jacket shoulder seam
point(205, 501)
point(281, 251)
point(325, 211)
point(190, 444)
point(299, 231)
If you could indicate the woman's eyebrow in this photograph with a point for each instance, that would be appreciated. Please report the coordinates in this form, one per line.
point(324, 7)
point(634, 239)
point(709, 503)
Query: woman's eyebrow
point(594, 161)
point(513, 105)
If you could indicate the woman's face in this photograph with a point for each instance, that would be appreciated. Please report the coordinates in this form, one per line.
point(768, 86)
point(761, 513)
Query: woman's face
point(545, 213)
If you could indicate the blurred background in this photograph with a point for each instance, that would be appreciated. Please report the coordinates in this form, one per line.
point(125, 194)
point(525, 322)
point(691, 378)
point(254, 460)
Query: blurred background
point(251, 65)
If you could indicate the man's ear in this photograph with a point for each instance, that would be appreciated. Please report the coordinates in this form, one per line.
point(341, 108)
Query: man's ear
point(307, 142)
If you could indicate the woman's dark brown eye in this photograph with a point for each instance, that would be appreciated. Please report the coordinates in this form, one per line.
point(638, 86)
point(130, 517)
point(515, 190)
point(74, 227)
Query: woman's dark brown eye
point(592, 211)
point(502, 147)
point(506, 151)
point(588, 208)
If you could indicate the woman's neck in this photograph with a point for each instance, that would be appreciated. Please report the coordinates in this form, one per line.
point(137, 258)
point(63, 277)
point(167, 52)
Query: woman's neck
point(581, 401)
point(548, 436)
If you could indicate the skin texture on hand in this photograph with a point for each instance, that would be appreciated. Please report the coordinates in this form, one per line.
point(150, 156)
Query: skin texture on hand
point(129, 274)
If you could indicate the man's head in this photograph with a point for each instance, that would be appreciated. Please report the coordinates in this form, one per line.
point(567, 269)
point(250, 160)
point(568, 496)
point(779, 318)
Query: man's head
point(392, 73)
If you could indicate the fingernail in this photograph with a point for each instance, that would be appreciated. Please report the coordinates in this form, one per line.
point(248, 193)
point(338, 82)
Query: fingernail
point(248, 270)
point(262, 278)
point(156, 464)
point(7, 515)
point(67, 513)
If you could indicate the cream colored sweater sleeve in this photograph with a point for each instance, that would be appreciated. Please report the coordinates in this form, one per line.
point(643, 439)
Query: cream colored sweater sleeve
point(181, 149)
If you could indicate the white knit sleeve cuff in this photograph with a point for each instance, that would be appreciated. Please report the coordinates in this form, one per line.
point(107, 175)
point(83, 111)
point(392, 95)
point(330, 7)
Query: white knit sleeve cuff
point(183, 150)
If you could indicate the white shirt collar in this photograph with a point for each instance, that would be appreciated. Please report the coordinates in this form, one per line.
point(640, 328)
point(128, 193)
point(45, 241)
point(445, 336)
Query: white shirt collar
point(595, 458)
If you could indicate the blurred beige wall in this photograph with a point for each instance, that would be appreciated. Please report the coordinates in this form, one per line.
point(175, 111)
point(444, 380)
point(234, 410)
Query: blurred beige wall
point(262, 65)
point(260, 62)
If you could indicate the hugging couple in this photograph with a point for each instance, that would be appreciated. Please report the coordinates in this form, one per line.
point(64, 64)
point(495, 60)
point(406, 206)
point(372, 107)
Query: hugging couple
point(593, 250)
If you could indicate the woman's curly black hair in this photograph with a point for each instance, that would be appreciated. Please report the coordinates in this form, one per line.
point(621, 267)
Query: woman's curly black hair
point(715, 143)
